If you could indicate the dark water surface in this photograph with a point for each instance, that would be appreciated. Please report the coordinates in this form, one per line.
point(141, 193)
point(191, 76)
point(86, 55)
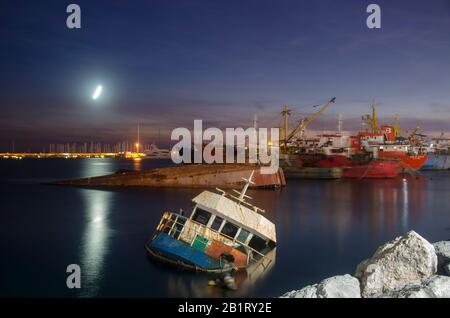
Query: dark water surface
point(324, 228)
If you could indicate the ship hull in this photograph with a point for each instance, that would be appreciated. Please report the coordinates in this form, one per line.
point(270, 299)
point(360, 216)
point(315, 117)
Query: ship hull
point(166, 248)
point(313, 173)
point(414, 162)
point(437, 162)
point(187, 176)
point(373, 170)
point(361, 169)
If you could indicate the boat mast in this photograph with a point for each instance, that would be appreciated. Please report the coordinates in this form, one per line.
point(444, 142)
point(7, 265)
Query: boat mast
point(286, 113)
point(374, 117)
point(138, 143)
point(340, 120)
point(247, 184)
point(242, 194)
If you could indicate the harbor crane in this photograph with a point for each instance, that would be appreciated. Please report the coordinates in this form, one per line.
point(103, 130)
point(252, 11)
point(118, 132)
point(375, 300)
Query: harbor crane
point(302, 125)
point(397, 130)
point(372, 120)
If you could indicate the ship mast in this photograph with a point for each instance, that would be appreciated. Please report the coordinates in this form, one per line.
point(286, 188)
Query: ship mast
point(396, 128)
point(340, 123)
point(138, 143)
point(286, 113)
point(242, 194)
point(374, 117)
point(247, 184)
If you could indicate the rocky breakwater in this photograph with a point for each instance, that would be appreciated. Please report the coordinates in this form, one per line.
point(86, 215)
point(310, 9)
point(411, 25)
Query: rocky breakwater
point(407, 267)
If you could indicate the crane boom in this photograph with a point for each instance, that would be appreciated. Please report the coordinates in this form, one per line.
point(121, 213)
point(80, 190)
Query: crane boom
point(302, 125)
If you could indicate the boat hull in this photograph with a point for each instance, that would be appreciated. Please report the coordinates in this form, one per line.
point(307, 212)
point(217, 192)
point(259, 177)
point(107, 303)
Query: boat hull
point(170, 250)
point(375, 169)
point(313, 173)
point(414, 162)
point(187, 176)
point(363, 169)
point(437, 162)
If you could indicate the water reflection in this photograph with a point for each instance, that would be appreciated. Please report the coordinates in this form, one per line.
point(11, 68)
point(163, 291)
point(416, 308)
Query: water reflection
point(405, 205)
point(385, 205)
point(246, 280)
point(137, 164)
point(324, 228)
point(94, 167)
point(95, 241)
point(313, 218)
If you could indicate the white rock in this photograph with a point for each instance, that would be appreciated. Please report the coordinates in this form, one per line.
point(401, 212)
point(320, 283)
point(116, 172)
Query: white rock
point(306, 292)
point(405, 259)
point(431, 287)
point(443, 253)
point(290, 294)
point(344, 286)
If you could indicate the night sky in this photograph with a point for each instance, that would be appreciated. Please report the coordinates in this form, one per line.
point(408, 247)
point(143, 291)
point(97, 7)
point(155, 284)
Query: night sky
point(166, 63)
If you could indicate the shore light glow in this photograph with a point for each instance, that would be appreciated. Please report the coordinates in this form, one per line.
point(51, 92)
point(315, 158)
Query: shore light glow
point(98, 92)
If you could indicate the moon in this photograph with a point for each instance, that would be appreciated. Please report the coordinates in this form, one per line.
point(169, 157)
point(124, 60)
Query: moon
point(97, 92)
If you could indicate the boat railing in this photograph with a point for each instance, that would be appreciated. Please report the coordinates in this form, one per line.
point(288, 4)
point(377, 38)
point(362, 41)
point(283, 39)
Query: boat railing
point(173, 224)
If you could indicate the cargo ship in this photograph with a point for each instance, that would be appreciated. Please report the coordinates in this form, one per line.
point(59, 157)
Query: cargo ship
point(363, 166)
point(385, 145)
point(407, 160)
point(384, 142)
point(376, 152)
point(314, 172)
point(439, 155)
point(304, 166)
point(374, 169)
point(224, 232)
point(437, 161)
point(340, 157)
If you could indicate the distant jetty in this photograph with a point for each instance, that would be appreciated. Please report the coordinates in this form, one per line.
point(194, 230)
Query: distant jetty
point(186, 176)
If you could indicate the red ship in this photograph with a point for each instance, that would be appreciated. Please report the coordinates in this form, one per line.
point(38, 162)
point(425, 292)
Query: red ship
point(407, 161)
point(377, 152)
point(369, 168)
point(384, 145)
point(374, 169)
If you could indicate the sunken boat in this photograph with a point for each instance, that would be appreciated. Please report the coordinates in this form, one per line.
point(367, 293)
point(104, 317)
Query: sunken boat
point(223, 233)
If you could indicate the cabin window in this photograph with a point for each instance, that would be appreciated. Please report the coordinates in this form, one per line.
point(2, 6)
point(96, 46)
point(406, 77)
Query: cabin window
point(217, 223)
point(243, 236)
point(201, 216)
point(229, 229)
point(257, 243)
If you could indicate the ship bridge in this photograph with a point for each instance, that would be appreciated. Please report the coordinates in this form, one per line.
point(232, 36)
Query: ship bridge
point(239, 214)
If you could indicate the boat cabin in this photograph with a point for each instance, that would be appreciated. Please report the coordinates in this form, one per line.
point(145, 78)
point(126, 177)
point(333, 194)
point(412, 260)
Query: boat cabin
point(220, 225)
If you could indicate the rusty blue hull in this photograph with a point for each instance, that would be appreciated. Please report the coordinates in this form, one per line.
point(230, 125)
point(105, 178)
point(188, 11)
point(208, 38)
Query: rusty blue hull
point(166, 248)
point(439, 161)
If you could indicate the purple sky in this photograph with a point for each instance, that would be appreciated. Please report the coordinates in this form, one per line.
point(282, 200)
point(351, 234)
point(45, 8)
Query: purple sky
point(166, 63)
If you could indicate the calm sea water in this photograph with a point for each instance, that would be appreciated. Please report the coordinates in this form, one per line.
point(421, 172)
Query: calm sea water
point(324, 228)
